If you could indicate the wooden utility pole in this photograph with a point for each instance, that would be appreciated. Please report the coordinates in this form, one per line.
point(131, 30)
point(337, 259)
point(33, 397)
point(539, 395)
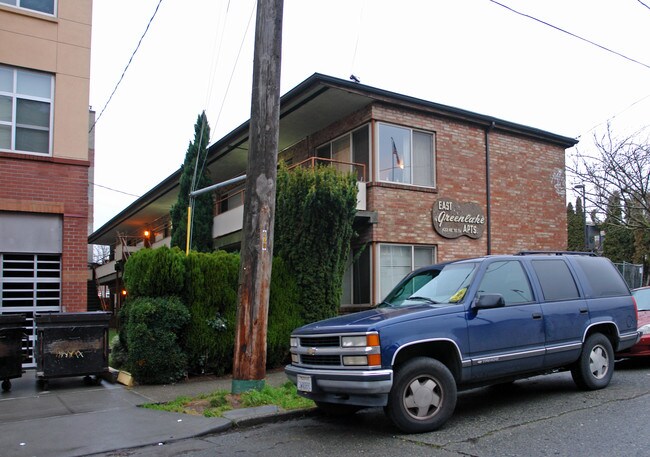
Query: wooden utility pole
point(249, 364)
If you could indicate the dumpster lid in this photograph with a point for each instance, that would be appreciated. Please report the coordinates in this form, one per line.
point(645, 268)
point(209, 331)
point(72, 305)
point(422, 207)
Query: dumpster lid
point(72, 318)
point(8, 319)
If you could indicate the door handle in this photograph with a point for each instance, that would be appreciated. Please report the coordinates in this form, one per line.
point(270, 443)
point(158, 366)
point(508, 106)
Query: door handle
point(584, 310)
point(537, 315)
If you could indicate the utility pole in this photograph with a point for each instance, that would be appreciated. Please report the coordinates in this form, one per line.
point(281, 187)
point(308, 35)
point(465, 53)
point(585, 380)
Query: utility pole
point(249, 364)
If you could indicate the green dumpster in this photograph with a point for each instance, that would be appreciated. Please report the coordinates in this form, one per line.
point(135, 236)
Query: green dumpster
point(71, 344)
point(12, 335)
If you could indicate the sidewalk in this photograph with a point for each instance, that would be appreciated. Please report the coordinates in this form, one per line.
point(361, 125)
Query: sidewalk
point(72, 419)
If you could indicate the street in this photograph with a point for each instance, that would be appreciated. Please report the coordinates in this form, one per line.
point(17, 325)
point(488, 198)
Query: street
point(541, 416)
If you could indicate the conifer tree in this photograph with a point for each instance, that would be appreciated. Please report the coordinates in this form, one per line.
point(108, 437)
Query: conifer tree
point(619, 240)
point(202, 213)
point(575, 227)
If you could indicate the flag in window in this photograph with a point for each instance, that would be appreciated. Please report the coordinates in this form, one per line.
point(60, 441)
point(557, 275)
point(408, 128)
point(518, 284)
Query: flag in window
point(398, 159)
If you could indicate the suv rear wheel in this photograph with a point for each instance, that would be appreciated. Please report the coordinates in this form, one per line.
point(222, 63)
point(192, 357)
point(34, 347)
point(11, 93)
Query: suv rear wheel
point(595, 367)
point(423, 396)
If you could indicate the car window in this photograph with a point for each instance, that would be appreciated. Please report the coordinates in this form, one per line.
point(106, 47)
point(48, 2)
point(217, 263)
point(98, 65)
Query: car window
point(642, 298)
point(603, 278)
point(449, 286)
point(509, 279)
point(556, 280)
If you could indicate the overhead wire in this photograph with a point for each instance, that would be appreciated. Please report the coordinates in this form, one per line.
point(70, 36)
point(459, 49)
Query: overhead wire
point(592, 43)
point(114, 190)
point(232, 73)
point(127, 66)
point(604, 48)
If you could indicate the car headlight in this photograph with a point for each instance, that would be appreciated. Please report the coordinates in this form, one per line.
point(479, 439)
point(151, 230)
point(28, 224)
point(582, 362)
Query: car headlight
point(353, 341)
point(293, 342)
point(645, 329)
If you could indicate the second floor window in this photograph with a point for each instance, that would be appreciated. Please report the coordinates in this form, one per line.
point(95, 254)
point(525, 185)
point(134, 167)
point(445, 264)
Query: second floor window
point(43, 6)
point(25, 110)
point(406, 156)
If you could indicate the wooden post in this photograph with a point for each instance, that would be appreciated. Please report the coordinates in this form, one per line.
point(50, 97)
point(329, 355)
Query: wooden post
point(249, 364)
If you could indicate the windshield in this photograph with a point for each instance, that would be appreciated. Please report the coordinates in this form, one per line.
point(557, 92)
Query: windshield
point(408, 286)
point(447, 286)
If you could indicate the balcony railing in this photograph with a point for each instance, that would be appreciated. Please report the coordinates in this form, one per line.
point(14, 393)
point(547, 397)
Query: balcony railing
point(230, 209)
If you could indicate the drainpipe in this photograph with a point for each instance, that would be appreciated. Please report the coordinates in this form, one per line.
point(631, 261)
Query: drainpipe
point(488, 225)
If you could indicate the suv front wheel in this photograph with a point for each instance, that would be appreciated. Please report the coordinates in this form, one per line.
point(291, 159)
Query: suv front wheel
point(423, 396)
point(595, 367)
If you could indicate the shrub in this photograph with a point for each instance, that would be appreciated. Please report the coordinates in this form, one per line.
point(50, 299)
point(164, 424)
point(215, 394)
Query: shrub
point(155, 272)
point(315, 211)
point(210, 294)
point(118, 357)
point(284, 313)
point(153, 329)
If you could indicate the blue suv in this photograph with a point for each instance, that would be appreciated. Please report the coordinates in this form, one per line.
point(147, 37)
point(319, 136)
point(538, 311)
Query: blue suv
point(467, 323)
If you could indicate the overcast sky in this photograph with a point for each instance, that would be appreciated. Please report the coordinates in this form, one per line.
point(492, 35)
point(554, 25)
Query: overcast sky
point(471, 54)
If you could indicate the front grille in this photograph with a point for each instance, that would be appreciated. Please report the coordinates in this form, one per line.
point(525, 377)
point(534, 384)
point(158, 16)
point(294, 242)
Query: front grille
point(320, 341)
point(320, 359)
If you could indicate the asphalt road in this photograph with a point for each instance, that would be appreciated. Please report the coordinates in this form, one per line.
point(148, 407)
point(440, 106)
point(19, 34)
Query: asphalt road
point(541, 416)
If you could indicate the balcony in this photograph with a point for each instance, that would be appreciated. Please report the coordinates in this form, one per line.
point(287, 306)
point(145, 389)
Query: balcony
point(231, 208)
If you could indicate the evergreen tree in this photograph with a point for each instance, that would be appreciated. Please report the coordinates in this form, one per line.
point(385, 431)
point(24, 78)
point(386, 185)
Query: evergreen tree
point(315, 211)
point(575, 227)
point(619, 240)
point(203, 211)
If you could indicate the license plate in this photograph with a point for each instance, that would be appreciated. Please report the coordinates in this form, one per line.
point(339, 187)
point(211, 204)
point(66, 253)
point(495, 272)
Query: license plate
point(304, 383)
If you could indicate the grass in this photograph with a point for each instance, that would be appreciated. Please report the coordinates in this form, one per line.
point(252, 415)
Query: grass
point(216, 403)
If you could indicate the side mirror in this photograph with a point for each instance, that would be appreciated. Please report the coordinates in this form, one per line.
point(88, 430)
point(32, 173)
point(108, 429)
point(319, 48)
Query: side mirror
point(488, 301)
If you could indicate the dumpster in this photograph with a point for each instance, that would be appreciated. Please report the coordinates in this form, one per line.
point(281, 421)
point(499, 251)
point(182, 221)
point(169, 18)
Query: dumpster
point(71, 344)
point(12, 335)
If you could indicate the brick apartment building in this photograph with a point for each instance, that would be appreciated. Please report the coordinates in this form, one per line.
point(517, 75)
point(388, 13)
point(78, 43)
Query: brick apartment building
point(436, 183)
point(45, 155)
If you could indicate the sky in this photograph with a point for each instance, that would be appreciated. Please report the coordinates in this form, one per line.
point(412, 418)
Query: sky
point(475, 55)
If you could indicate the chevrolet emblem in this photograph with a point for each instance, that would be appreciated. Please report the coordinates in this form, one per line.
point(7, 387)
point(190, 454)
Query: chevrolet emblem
point(311, 351)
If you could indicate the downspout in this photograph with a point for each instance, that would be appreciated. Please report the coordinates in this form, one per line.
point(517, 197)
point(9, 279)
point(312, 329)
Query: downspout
point(488, 218)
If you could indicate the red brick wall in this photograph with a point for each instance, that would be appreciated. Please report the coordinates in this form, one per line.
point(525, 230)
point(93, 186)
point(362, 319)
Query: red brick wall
point(46, 185)
point(527, 213)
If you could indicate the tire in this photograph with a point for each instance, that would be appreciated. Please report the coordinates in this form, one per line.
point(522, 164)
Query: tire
point(595, 367)
point(423, 396)
point(6, 385)
point(336, 409)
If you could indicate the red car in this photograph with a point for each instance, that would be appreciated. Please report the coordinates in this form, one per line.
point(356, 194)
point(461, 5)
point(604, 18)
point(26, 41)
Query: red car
point(642, 347)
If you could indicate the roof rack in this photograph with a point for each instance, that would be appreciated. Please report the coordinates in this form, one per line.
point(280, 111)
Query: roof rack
point(592, 254)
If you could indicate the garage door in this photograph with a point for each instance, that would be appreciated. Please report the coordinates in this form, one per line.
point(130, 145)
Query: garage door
point(30, 268)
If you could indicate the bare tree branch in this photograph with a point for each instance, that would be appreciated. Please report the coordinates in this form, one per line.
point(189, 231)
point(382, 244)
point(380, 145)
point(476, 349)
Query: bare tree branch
point(618, 165)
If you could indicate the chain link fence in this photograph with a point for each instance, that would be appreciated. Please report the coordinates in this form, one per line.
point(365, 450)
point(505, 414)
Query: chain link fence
point(632, 273)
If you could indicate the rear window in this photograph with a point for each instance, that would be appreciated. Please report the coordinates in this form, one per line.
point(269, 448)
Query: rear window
point(556, 280)
point(603, 278)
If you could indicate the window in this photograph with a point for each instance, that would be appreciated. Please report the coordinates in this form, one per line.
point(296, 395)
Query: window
point(351, 148)
point(43, 6)
point(556, 280)
point(406, 156)
point(509, 279)
point(356, 280)
point(231, 199)
point(604, 279)
point(396, 261)
point(25, 110)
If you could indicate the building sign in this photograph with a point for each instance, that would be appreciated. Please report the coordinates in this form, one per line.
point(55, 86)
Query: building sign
point(452, 219)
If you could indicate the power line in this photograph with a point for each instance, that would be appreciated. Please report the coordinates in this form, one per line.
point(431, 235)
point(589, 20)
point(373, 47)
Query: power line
point(127, 66)
point(604, 48)
point(643, 4)
point(114, 190)
point(223, 102)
